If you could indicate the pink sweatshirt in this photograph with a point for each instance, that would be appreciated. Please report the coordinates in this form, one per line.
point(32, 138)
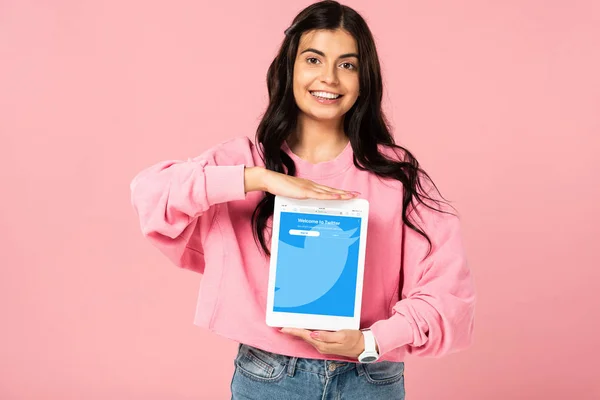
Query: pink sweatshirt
point(197, 213)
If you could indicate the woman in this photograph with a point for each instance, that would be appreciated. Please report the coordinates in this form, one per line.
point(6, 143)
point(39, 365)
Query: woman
point(323, 136)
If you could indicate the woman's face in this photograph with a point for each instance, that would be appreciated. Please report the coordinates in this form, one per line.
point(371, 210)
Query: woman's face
point(326, 74)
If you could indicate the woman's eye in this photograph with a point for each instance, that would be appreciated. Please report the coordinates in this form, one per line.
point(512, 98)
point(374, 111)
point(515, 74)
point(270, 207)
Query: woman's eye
point(346, 65)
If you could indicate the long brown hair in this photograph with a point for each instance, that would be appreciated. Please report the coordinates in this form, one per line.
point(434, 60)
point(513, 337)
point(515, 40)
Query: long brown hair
point(365, 123)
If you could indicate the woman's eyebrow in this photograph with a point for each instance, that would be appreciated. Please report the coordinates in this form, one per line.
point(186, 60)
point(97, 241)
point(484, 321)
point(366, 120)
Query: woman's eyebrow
point(319, 52)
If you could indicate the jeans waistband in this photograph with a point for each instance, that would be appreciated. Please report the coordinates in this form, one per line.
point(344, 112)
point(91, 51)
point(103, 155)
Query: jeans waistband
point(327, 368)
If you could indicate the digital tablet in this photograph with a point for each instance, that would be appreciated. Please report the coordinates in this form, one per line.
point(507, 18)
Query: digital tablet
point(317, 263)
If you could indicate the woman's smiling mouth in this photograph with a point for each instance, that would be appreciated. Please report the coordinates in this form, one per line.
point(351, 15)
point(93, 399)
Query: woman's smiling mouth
point(325, 97)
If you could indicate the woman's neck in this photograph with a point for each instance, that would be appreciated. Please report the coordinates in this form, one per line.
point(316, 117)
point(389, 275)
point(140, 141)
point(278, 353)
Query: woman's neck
point(318, 141)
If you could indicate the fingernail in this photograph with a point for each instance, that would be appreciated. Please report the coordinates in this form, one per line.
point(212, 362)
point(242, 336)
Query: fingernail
point(314, 334)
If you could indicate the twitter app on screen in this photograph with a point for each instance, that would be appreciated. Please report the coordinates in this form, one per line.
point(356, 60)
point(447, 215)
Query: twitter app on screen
point(317, 264)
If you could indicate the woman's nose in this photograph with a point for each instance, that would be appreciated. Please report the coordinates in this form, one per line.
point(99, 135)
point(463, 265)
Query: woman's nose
point(329, 75)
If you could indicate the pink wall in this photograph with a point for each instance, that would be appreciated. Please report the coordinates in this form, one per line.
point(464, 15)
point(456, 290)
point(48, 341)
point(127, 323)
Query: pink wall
point(499, 100)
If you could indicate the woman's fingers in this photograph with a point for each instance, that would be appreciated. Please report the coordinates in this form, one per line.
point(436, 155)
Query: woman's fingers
point(324, 193)
point(326, 196)
point(281, 184)
point(330, 189)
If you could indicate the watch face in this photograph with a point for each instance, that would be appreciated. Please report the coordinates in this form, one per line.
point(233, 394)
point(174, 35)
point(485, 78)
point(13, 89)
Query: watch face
point(369, 359)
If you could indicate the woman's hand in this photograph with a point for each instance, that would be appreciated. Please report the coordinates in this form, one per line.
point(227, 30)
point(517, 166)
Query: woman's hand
point(345, 342)
point(258, 178)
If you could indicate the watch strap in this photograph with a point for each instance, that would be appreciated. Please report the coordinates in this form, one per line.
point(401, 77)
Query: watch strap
point(369, 341)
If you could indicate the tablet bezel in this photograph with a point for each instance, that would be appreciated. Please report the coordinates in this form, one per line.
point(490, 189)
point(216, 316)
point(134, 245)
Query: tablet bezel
point(313, 321)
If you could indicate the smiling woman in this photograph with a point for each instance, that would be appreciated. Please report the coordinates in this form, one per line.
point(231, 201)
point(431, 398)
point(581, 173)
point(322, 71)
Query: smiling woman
point(326, 73)
point(323, 129)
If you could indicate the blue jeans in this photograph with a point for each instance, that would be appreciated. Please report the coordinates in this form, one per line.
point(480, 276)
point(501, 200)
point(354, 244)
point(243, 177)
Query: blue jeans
point(263, 375)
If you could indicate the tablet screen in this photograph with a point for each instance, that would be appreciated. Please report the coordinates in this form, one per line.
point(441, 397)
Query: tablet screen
point(317, 260)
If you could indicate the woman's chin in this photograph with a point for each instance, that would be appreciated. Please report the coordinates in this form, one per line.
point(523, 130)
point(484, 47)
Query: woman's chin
point(321, 115)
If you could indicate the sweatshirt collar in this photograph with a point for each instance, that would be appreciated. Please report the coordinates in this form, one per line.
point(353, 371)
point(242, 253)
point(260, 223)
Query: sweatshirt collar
point(324, 169)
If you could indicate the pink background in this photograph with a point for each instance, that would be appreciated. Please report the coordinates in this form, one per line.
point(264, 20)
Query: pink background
point(499, 101)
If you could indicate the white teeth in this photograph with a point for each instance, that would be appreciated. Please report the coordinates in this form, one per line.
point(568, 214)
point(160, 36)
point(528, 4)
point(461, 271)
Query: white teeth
point(325, 95)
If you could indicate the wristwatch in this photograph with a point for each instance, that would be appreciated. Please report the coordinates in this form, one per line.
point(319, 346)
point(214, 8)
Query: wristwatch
point(370, 354)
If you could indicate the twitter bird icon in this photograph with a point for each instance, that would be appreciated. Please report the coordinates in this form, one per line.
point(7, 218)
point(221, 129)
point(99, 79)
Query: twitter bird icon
point(304, 274)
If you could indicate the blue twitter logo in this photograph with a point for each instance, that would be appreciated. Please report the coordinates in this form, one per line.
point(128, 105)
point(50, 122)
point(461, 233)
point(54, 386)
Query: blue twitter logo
point(307, 272)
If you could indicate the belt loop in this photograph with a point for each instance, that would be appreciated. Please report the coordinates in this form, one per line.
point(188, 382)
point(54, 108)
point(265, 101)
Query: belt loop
point(291, 367)
point(360, 369)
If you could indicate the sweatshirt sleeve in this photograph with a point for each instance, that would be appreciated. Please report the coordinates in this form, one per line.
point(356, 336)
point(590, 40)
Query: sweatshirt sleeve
point(435, 313)
point(171, 197)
